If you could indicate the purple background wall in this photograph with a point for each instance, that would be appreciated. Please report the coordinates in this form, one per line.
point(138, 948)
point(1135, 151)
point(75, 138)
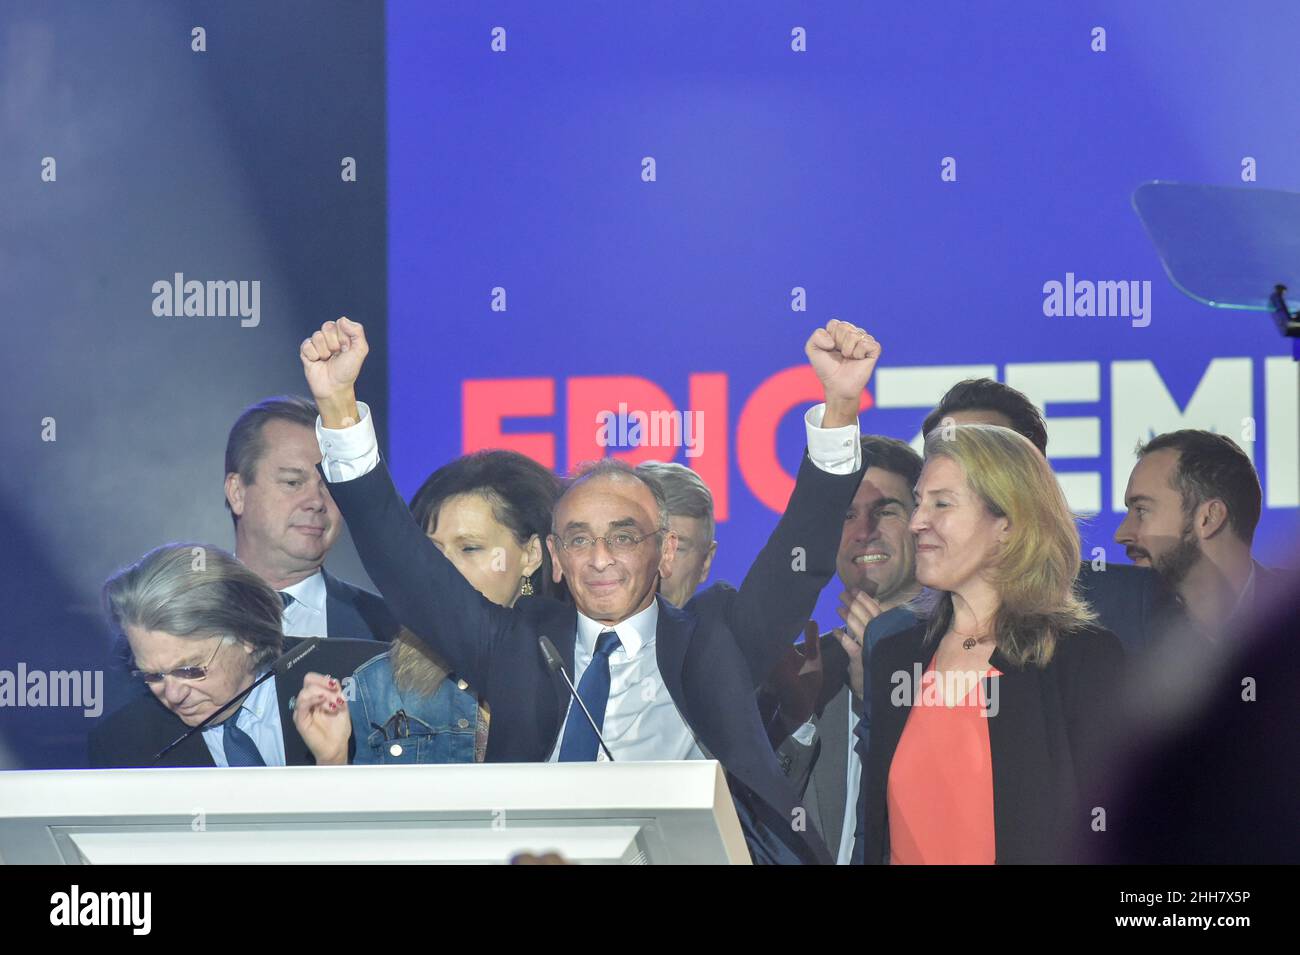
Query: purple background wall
point(821, 169)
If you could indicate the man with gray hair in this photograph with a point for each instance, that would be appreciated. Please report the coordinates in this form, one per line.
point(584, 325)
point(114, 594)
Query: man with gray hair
point(201, 628)
point(657, 682)
point(690, 517)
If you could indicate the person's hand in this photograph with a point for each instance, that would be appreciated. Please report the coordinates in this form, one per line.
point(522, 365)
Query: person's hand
point(321, 715)
point(857, 610)
point(796, 682)
point(843, 356)
point(331, 361)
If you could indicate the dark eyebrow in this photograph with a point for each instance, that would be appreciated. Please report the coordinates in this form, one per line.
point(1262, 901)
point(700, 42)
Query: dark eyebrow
point(290, 470)
point(886, 502)
point(620, 524)
point(1128, 501)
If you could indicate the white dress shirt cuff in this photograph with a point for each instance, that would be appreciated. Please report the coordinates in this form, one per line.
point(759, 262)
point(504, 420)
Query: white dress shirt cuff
point(834, 450)
point(348, 453)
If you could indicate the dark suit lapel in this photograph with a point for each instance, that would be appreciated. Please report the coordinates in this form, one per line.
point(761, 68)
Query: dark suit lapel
point(559, 623)
point(1022, 772)
point(672, 640)
point(830, 774)
point(193, 752)
point(341, 617)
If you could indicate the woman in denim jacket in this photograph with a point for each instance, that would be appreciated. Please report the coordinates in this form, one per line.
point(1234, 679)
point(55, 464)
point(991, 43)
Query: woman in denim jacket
point(488, 513)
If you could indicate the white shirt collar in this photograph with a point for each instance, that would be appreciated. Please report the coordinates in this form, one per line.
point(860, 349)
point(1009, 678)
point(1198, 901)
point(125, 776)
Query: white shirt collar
point(261, 699)
point(634, 633)
point(310, 592)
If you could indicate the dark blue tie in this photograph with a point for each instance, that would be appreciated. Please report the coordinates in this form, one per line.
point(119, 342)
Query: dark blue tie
point(239, 746)
point(580, 743)
point(286, 597)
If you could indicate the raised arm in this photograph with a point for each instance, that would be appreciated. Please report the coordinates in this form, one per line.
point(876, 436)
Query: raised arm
point(428, 595)
point(780, 590)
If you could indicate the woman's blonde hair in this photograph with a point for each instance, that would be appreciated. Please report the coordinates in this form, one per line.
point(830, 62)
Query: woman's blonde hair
point(416, 668)
point(1035, 569)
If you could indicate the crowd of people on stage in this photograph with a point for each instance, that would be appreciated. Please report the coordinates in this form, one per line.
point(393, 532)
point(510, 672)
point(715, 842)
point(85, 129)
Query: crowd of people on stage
point(971, 706)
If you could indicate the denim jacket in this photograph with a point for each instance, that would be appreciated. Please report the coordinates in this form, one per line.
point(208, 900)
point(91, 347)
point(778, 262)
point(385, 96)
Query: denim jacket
point(391, 726)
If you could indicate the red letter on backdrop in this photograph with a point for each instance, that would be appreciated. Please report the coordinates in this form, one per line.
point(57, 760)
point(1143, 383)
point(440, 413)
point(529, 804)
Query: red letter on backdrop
point(756, 431)
point(487, 402)
point(709, 403)
point(588, 397)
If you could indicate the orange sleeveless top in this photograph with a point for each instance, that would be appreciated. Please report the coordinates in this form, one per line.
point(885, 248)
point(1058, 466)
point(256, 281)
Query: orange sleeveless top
point(940, 787)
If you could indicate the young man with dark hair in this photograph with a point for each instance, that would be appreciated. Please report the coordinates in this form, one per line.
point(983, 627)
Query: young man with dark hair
point(1193, 504)
point(985, 401)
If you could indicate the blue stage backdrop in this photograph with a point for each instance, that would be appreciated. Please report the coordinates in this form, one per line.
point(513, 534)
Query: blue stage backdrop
point(649, 206)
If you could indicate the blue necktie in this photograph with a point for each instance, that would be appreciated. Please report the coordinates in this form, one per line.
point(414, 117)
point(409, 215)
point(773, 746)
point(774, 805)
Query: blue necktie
point(239, 746)
point(286, 597)
point(580, 743)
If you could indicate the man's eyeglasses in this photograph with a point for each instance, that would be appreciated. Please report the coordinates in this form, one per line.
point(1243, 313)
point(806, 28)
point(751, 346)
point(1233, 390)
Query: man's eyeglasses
point(620, 543)
point(181, 673)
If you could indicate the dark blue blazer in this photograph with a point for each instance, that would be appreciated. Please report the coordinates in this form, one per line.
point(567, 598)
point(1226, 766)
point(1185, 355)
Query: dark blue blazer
point(712, 654)
point(354, 613)
point(1130, 602)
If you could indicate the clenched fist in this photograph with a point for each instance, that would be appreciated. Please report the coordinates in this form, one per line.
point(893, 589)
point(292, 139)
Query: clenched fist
point(331, 361)
point(843, 356)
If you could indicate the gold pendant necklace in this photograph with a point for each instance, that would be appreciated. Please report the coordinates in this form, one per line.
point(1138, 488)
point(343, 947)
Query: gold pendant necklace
point(970, 643)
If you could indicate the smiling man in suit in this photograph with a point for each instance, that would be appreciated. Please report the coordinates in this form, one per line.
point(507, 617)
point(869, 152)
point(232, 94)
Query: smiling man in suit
point(286, 522)
point(877, 566)
point(201, 628)
point(662, 682)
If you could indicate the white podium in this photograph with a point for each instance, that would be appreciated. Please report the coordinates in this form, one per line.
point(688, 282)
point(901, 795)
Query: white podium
point(628, 813)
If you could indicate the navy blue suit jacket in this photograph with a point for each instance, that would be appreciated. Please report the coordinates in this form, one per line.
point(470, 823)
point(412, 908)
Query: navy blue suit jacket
point(1131, 602)
point(354, 613)
point(712, 653)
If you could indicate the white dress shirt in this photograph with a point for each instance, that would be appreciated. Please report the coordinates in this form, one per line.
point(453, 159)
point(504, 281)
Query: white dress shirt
point(348, 453)
point(259, 717)
point(641, 720)
point(305, 616)
point(851, 785)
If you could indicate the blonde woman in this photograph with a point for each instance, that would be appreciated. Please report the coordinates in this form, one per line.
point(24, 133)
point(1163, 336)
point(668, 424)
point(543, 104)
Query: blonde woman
point(985, 717)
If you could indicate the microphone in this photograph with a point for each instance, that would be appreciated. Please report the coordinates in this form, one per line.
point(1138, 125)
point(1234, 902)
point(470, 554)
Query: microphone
point(556, 665)
point(283, 664)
